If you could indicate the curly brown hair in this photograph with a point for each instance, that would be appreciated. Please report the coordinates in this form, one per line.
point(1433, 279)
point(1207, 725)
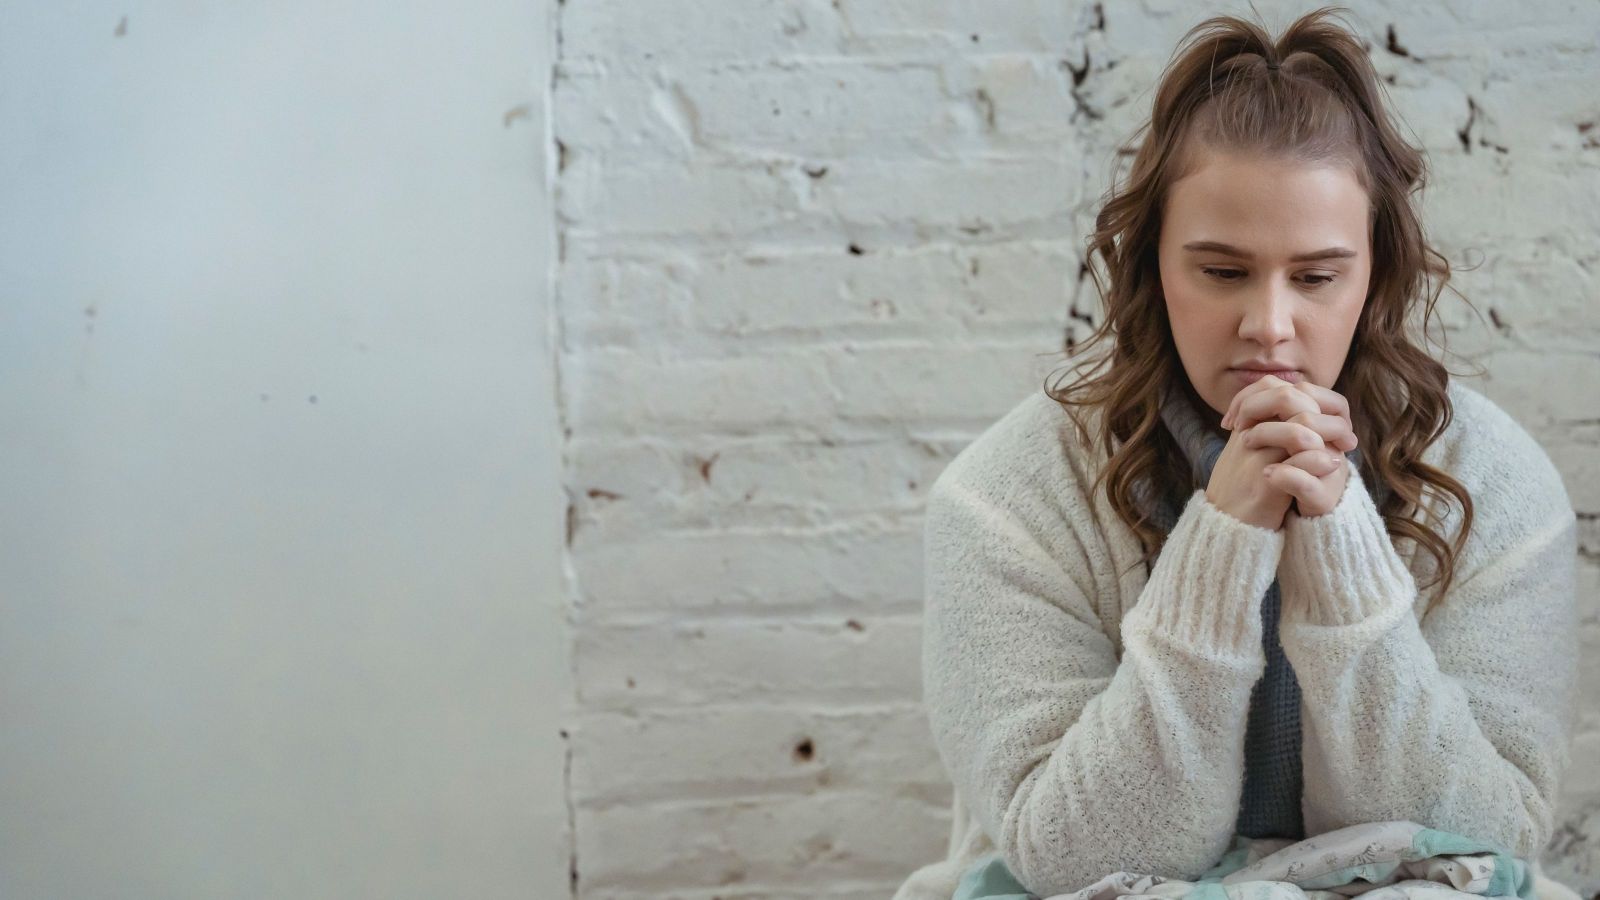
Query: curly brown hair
point(1312, 96)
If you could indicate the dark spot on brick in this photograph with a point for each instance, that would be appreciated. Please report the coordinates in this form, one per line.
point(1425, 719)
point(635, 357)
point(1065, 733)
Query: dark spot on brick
point(973, 267)
point(313, 398)
point(1085, 318)
point(630, 681)
point(974, 39)
point(705, 466)
point(816, 171)
point(561, 155)
point(1465, 132)
point(855, 250)
point(804, 751)
point(1078, 73)
point(1393, 45)
point(986, 105)
point(854, 625)
point(603, 494)
point(89, 310)
point(1080, 104)
point(564, 733)
point(815, 847)
point(520, 111)
point(122, 27)
point(911, 485)
point(748, 494)
point(572, 523)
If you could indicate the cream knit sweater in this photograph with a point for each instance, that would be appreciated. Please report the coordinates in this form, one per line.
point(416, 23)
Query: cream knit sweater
point(1091, 717)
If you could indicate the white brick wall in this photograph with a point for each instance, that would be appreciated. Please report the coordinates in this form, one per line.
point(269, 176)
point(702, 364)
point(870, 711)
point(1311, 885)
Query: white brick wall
point(809, 250)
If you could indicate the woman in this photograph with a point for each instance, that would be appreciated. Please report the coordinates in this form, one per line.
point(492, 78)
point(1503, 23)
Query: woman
point(1301, 649)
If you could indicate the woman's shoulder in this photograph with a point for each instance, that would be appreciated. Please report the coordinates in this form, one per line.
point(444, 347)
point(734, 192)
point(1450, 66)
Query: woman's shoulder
point(1518, 493)
point(1490, 451)
point(1033, 450)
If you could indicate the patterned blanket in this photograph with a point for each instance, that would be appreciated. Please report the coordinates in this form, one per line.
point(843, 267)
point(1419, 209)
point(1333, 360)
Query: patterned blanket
point(1383, 860)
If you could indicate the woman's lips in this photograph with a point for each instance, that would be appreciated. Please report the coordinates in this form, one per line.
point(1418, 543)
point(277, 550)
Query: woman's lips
point(1251, 376)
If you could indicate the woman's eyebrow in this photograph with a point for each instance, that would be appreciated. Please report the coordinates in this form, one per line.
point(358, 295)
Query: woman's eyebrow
point(1229, 249)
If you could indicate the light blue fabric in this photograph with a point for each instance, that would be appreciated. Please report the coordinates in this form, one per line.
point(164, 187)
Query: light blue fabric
point(1394, 856)
point(991, 880)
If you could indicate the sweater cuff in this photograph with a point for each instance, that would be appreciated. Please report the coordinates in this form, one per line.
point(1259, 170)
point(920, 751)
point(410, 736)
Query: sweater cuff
point(1206, 588)
point(1341, 568)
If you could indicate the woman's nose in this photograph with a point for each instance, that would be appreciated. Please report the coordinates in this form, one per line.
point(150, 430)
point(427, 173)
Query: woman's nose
point(1268, 317)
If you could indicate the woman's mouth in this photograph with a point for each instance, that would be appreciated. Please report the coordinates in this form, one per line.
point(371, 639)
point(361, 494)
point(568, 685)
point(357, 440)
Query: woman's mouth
point(1251, 376)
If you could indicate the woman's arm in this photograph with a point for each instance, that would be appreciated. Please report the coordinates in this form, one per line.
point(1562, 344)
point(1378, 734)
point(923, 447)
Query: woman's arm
point(1460, 723)
point(1078, 766)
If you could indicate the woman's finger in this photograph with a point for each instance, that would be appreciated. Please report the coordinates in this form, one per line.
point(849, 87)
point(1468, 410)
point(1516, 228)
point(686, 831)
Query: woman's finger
point(1244, 392)
point(1329, 400)
point(1335, 430)
point(1280, 402)
point(1292, 480)
point(1305, 477)
point(1292, 437)
point(1291, 405)
point(1325, 437)
point(1320, 463)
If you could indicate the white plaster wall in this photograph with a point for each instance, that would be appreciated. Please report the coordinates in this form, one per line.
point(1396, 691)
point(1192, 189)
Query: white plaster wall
point(810, 249)
point(281, 611)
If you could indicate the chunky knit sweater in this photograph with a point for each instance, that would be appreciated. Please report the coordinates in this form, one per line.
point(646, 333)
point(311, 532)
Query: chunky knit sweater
point(1092, 716)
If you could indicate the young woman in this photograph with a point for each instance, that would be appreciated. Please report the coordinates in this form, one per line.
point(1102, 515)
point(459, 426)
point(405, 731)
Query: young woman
point(1301, 648)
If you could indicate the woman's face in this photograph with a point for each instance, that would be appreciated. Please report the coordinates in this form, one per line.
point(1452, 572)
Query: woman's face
point(1255, 302)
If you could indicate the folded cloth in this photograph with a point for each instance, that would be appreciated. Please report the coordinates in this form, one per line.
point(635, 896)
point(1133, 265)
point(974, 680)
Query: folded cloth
point(1397, 860)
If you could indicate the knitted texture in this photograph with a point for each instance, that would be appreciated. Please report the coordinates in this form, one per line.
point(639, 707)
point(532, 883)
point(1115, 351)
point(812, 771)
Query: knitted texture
point(1093, 716)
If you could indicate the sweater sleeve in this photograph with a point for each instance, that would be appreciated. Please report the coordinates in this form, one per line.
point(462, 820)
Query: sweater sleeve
point(1459, 722)
point(1077, 765)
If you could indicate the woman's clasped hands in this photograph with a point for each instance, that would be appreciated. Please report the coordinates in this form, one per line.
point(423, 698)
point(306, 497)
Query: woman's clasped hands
point(1286, 448)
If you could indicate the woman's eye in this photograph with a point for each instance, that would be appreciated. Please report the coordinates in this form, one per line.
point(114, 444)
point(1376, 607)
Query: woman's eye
point(1228, 276)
